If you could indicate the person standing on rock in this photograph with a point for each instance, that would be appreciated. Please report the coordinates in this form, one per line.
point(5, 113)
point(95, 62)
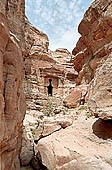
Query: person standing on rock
point(50, 88)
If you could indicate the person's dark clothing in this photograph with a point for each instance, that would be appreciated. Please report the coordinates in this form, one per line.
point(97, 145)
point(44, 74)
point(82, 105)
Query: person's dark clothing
point(50, 89)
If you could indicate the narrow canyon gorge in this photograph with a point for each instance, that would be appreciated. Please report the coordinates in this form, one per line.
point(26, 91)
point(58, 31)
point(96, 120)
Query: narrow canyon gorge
point(68, 127)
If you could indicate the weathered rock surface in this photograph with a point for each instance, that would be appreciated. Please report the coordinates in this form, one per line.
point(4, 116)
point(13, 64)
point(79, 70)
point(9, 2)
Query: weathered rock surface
point(62, 144)
point(37, 126)
point(92, 48)
point(12, 105)
point(36, 41)
point(100, 92)
point(27, 168)
point(63, 57)
point(26, 157)
point(78, 143)
point(93, 57)
point(14, 11)
point(78, 147)
point(41, 65)
point(76, 96)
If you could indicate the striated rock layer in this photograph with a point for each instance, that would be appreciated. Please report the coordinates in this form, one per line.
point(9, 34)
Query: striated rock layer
point(42, 64)
point(82, 143)
point(93, 57)
point(12, 105)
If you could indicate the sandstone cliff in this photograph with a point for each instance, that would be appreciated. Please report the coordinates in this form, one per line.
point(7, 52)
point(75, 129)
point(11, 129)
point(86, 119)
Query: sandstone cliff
point(93, 57)
point(71, 141)
point(42, 64)
point(86, 143)
point(12, 106)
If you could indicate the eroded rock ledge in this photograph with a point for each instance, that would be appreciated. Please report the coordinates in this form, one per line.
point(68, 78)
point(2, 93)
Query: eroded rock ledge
point(93, 57)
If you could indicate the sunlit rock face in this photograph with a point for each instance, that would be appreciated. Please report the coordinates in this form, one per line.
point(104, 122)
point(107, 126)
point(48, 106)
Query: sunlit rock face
point(12, 105)
point(85, 145)
point(42, 64)
point(82, 142)
point(76, 97)
point(14, 11)
point(100, 91)
point(93, 57)
point(36, 41)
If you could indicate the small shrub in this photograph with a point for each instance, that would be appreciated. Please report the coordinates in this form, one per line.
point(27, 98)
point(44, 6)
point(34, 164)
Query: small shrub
point(33, 131)
point(88, 114)
point(49, 106)
point(48, 111)
point(65, 111)
point(82, 107)
point(77, 113)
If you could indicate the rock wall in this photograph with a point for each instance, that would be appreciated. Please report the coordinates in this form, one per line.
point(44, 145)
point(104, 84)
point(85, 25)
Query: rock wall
point(12, 105)
point(93, 56)
point(93, 47)
point(42, 64)
point(15, 13)
point(79, 142)
point(36, 41)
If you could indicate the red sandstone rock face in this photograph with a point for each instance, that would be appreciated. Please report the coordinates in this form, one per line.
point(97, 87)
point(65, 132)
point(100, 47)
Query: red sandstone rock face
point(15, 13)
point(12, 105)
point(76, 95)
point(95, 29)
point(100, 91)
point(91, 55)
point(83, 146)
point(36, 41)
point(86, 144)
point(63, 58)
point(42, 64)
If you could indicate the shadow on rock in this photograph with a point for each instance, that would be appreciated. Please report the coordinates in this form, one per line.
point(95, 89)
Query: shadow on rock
point(103, 129)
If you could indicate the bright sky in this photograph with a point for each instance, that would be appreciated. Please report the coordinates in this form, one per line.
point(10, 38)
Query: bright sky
point(59, 19)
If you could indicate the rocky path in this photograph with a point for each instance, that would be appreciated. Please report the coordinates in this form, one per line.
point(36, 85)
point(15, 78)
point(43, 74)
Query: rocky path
point(84, 145)
point(74, 141)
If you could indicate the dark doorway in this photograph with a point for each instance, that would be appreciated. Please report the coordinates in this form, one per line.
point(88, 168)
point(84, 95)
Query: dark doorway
point(50, 88)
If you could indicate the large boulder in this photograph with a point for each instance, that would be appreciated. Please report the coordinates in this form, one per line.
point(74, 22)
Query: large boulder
point(78, 147)
point(76, 96)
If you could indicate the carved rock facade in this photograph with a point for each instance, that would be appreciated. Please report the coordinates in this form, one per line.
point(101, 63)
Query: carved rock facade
point(42, 64)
